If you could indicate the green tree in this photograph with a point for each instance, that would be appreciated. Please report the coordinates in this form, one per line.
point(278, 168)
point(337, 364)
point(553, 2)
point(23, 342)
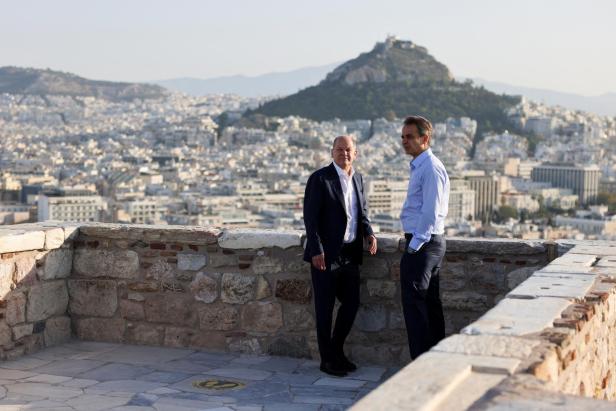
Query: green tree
point(506, 212)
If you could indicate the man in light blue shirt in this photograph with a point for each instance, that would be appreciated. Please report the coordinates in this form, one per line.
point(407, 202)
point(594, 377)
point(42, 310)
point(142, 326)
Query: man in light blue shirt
point(423, 219)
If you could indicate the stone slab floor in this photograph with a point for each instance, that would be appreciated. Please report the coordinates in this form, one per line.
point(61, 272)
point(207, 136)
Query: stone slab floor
point(82, 375)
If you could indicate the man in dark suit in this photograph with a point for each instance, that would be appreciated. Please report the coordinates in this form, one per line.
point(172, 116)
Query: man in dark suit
point(336, 220)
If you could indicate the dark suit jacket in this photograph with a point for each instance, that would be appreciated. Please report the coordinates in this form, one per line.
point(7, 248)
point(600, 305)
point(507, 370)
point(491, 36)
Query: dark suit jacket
point(325, 216)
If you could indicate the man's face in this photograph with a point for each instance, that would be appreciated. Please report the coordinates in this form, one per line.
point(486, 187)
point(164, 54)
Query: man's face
point(412, 142)
point(344, 152)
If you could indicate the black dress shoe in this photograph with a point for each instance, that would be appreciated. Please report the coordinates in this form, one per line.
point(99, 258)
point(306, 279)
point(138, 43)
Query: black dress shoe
point(345, 364)
point(332, 369)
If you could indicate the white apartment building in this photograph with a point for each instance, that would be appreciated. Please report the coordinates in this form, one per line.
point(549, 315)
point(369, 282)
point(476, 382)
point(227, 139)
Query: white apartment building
point(520, 201)
point(385, 196)
point(461, 201)
point(146, 210)
point(605, 226)
point(79, 208)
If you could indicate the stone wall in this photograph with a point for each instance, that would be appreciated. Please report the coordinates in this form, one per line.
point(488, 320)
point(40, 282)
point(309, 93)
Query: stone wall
point(531, 335)
point(34, 263)
point(250, 291)
point(548, 344)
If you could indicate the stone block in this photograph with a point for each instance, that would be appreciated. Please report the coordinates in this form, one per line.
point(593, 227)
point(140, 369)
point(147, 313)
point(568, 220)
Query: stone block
point(135, 297)
point(237, 288)
point(381, 288)
point(495, 246)
point(208, 340)
point(218, 316)
point(21, 240)
point(374, 267)
point(47, 299)
point(162, 272)
point(222, 260)
point(464, 300)
point(144, 334)
point(5, 335)
point(372, 317)
point(57, 330)
point(15, 308)
point(396, 320)
point(298, 318)
point(57, 264)
point(100, 329)
point(516, 277)
point(294, 290)
point(243, 345)
point(429, 380)
point(570, 260)
point(205, 287)
point(518, 317)
point(25, 271)
point(251, 239)
point(144, 286)
point(132, 310)
point(262, 316)
point(22, 330)
point(178, 337)
point(565, 269)
point(266, 265)
point(289, 346)
point(54, 238)
point(263, 288)
point(98, 298)
point(488, 345)
point(598, 250)
point(609, 261)
point(376, 354)
point(191, 262)
point(554, 285)
point(164, 233)
point(6, 278)
point(171, 308)
point(106, 263)
point(388, 243)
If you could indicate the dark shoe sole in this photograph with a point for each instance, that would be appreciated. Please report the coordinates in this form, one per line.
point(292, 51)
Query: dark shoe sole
point(335, 373)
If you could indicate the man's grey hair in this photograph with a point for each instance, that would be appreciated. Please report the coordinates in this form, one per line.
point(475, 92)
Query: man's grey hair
point(339, 137)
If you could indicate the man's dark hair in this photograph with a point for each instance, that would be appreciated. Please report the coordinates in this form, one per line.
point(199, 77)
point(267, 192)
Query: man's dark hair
point(423, 125)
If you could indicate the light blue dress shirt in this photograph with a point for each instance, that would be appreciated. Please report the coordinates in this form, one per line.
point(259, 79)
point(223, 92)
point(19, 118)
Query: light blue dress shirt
point(427, 199)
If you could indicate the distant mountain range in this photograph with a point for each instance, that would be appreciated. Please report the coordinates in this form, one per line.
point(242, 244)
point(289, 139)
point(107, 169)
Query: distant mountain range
point(285, 83)
point(17, 80)
point(604, 104)
point(271, 84)
point(394, 79)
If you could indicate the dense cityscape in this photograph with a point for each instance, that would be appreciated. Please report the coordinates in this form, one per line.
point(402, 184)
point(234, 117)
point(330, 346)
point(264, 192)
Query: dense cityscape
point(188, 161)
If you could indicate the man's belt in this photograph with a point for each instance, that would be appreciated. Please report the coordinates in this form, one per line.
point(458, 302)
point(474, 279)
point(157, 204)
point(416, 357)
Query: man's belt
point(409, 236)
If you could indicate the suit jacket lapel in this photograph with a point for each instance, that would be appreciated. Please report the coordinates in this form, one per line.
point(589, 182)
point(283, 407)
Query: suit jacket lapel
point(337, 187)
point(357, 186)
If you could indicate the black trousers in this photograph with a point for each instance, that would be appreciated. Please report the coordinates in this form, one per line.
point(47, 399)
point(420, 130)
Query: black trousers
point(421, 302)
point(343, 284)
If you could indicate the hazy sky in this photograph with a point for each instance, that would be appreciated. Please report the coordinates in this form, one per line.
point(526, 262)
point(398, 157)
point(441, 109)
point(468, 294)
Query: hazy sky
point(563, 45)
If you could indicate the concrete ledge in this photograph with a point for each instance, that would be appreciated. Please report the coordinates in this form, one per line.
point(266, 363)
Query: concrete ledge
point(255, 239)
point(518, 316)
point(496, 246)
point(180, 234)
point(12, 241)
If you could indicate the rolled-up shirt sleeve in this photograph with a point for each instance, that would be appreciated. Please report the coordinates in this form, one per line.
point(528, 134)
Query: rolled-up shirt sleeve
point(433, 191)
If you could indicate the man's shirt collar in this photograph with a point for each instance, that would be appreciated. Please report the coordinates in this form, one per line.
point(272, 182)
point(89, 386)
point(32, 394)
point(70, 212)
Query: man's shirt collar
point(418, 161)
point(341, 172)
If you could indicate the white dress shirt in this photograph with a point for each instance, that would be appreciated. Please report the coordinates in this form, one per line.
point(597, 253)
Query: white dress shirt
point(427, 199)
point(350, 203)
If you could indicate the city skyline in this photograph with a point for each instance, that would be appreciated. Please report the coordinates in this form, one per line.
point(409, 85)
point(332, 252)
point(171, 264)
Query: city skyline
point(526, 44)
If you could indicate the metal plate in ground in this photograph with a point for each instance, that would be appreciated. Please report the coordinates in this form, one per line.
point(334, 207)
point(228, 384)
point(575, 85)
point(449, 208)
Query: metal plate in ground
point(215, 384)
